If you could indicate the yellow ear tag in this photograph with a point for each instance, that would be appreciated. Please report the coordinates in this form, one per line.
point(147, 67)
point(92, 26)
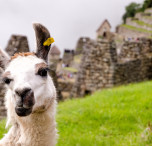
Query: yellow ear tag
point(48, 42)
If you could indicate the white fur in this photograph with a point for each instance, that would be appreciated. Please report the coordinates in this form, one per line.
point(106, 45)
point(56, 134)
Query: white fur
point(39, 128)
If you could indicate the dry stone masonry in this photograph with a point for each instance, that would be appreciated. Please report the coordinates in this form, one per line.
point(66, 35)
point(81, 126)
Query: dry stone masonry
point(17, 43)
point(101, 66)
point(96, 68)
point(2, 92)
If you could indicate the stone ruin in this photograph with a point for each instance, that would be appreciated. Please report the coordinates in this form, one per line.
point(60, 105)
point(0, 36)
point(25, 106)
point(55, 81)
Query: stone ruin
point(81, 42)
point(68, 57)
point(102, 67)
point(54, 57)
point(2, 92)
point(2, 88)
point(17, 43)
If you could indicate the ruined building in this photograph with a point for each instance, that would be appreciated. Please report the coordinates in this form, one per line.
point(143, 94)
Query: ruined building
point(2, 88)
point(101, 66)
point(17, 43)
point(139, 26)
point(104, 31)
point(80, 44)
point(68, 57)
point(54, 58)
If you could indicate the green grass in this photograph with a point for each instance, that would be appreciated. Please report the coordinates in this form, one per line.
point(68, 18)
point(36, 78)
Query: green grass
point(2, 128)
point(71, 69)
point(135, 28)
point(112, 117)
point(77, 58)
point(148, 17)
point(141, 23)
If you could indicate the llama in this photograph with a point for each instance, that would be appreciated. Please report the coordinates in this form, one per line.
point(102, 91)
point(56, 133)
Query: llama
point(31, 96)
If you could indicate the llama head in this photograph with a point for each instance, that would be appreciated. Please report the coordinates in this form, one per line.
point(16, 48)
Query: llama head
point(27, 79)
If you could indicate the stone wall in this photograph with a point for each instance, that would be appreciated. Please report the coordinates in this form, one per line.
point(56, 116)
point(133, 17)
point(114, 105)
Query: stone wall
point(3, 62)
point(96, 68)
point(132, 71)
point(135, 24)
point(147, 20)
point(2, 92)
point(129, 33)
point(68, 57)
point(80, 45)
point(135, 50)
point(17, 43)
point(149, 10)
point(64, 87)
point(53, 67)
point(101, 66)
point(104, 27)
point(134, 62)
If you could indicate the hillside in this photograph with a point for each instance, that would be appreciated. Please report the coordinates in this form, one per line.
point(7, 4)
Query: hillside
point(138, 26)
point(118, 116)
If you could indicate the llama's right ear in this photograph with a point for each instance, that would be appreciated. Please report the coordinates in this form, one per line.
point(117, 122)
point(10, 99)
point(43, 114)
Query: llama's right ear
point(4, 59)
point(42, 34)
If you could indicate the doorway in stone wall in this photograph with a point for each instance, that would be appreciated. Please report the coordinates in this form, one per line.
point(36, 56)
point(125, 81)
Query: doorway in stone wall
point(87, 92)
point(104, 35)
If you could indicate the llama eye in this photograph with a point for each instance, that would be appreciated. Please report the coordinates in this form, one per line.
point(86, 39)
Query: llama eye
point(7, 80)
point(43, 72)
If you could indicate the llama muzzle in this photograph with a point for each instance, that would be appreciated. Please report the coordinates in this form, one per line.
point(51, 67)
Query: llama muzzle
point(25, 103)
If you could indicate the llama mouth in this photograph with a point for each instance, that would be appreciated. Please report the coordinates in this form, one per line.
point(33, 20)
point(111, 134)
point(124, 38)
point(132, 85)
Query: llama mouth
point(22, 112)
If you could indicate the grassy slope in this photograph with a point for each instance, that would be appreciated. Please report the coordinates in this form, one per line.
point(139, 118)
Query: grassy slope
point(135, 28)
point(143, 23)
point(71, 69)
point(117, 116)
point(2, 130)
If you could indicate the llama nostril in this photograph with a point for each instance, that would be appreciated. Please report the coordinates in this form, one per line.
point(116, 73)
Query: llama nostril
point(25, 92)
point(22, 93)
point(17, 92)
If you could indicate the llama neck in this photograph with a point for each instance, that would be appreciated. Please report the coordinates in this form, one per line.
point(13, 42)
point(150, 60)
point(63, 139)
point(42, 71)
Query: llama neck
point(41, 127)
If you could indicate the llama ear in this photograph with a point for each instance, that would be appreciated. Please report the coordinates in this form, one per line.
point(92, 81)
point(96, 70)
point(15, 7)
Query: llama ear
point(4, 59)
point(42, 34)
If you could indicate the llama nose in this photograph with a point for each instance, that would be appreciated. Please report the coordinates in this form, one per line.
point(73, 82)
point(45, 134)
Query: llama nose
point(22, 93)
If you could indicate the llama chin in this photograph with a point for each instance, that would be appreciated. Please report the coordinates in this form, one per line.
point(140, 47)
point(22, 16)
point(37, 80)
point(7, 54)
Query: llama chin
point(30, 96)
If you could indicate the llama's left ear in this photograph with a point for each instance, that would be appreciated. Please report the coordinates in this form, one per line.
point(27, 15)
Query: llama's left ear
point(42, 34)
point(4, 59)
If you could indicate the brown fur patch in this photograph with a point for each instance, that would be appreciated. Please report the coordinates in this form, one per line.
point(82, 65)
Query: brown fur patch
point(40, 65)
point(6, 74)
point(22, 54)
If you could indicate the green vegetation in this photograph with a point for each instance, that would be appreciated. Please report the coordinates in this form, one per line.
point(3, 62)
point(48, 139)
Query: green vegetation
point(112, 117)
point(146, 4)
point(100, 37)
point(148, 17)
point(2, 128)
point(70, 69)
point(142, 23)
point(134, 8)
point(77, 58)
point(135, 28)
point(131, 10)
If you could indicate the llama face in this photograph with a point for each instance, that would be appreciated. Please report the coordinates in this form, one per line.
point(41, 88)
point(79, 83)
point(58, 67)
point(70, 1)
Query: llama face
point(27, 79)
